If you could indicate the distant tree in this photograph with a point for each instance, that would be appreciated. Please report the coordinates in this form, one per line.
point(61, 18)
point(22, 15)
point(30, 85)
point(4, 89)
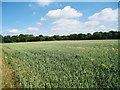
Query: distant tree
point(47, 38)
point(15, 38)
point(51, 39)
point(109, 35)
point(73, 36)
point(57, 37)
point(37, 38)
point(118, 34)
point(65, 37)
point(89, 36)
point(22, 38)
point(7, 39)
point(41, 36)
point(97, 35)
point(80, 36)
point(113, 34)
point(105, 35)
point(1, 37)
point(31, 38)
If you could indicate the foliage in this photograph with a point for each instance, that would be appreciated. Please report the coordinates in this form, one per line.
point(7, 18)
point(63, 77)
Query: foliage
point(88, 36)
point(1, 38)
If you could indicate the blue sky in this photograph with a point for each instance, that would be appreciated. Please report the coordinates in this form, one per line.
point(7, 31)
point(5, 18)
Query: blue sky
point(61, 18)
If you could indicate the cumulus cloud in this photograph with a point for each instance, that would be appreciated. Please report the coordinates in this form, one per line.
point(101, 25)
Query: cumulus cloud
point(68, 26)
point(14, 31)
point(91, 23)
point(39, 23)
point(29, 30)
point(107, 28)
point(44, 2)
point(102, 27)
point(66, 22)
point(106, 15)
point(32, 29)
point(66, 12)
point(42, 19)
point(113, 29)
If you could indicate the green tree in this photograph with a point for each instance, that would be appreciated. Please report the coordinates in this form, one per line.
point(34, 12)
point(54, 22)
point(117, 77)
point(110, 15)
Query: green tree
point(7, 39)
point(57, 37)
point(15, 38)
point(80, 36)
point(51, 39)
point(65, 37)
point(88, 36)
point(97, 35)
point(105, 35)
point(73, 36)
point(41, 38)
point(22, 38)
point(47, 38)
point(1, 37)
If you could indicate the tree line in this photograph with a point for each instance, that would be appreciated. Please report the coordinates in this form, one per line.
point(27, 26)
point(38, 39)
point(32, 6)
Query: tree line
point(80, 36)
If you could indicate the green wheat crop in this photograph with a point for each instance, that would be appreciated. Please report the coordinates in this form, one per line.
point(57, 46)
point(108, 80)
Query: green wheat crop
point(71, 64)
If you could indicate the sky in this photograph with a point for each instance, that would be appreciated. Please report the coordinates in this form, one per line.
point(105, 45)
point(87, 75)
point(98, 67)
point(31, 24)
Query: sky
point(58, 18)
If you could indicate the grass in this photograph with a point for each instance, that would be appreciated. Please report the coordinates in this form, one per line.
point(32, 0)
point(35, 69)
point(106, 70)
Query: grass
point(71, 64)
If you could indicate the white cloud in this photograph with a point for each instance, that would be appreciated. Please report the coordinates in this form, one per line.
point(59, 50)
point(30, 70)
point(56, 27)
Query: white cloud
point(66, 12)
point(44, 2)
point(29, 30)
point(32, 29)
point(102, 27)
point(43, 19)
point(14, 31)
point(68, 26)
point(106, 15)
point(39, 23)
point(113, 29)
point(65, 25)
point(89, 23)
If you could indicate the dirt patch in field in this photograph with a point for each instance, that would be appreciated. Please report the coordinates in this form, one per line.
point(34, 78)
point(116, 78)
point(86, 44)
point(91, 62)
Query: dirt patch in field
point(9, 79)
